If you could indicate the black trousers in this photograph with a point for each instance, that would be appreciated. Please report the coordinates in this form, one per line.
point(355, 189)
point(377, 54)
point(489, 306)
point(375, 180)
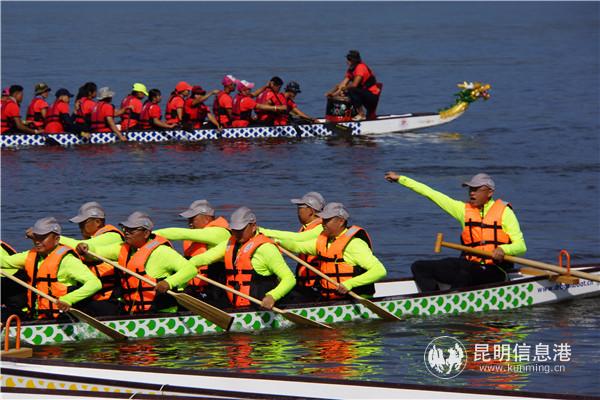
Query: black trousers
point(14, 297)
point(457, 272)
point(362, 97)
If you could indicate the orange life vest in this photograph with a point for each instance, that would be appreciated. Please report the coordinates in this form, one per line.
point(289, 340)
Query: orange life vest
point(104, 271)
point(331, 262)
point(80, 117)
point(269, 117)
point(236, 112)
point(7, 124)
point(53, 118)
point(44, 277)
point(191, 249)
point(240, 274)
point(145, 121)
point(219, 112)
point(304, 276)
point(7, 247)
point(129, 118)
point(484, 233)
point(171, 115)
point(35, 116)
point(102, 109)
point(138, 295)
point(366, 83)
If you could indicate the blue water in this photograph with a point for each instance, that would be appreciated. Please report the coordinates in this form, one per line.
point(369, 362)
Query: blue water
point(537, 136)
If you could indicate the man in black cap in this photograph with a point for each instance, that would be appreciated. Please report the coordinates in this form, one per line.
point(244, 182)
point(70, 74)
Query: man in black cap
point(290, 92)
point(54, 269)
point(488, 224)
point(59, 119)
point(361, 86)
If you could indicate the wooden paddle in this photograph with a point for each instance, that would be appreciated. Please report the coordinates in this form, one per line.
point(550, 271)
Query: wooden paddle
point(383, 313)
point(295, 318)
point(80, 315)
point(211, 313)
point(439, 243)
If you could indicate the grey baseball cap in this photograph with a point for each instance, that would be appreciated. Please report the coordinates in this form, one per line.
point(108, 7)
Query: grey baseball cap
point(46, 225)
point(241, 218)
point(334, 210)
point(90, 209)
point(138, 219)
point(481, 179)
point(105, 92)
point(312, 199)
point(198, 207)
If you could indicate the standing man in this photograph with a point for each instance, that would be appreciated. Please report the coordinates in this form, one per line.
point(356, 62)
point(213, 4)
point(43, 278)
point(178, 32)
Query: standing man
point(54, 269)
point(103, 114)
point(11, 113)
point(38, 108)
point(361, 86)
point(253, 263)
point(488, 224)
point(132, 107)
point(343, 253)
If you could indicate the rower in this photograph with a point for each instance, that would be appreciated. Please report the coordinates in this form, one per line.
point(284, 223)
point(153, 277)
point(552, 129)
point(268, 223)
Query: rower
point(149, 255)
point(205, 232)
point(150, 118)
point(291, 91)
point(176, 102)
point(271, 96)
point(14, 296)
point(488, 224)
point(244, 104)
point(195, 112)
point(11, 113)
point(222, 106)
point(253, 264)
point(132, 106)
point(84, 105)
point(103, 115)
point(38, 107)
point(92, 224)
point(58, 119)
point(342, 253)
point(54, 269)
point(311, 227)
point(361, 86)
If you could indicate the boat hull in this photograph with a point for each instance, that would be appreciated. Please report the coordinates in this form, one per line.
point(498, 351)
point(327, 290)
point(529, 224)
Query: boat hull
point(399, 298)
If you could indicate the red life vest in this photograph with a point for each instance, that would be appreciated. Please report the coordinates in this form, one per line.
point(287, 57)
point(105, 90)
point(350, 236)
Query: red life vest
point(171, 116)
point(191, 249)
point(36, 116)
point(104, 271)
point(194, 115)
point(219, 112)
point(53, 121)
point(44, 277)
point(235, 111)
point(138, 295)
point(101, 110)
point(277, 99)
point(484, 233)
point(7, 124)
point(367, 83)
point(7, 247)
point(304, 276)
point(130, 118)
point(240, 274)
point(145, 121)
point(81, 117)
point(331, 262)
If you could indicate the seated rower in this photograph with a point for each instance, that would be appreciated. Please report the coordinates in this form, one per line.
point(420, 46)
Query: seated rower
point(150, 118)
point(92, 224)
point(253, 264)
point(14, 296)
point(244, 104)
point(206, 231)
point(103, 115)
point(54, 269)
point(176, 102)
point(488, 224)
point(195, 112)
point(59, 119)
point(223, 103)
point(291, 91)
point(151, 256)
point(343, 253)
point(11, 113)
point(271, 96)
point(38, 107)
point(132, 107)
point(311, 227)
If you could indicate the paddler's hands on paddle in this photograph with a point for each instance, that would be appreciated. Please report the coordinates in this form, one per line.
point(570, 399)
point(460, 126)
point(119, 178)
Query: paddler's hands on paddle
point(62, 306)
point(162, 286)
point(83, 250)
point(341, 289)
point(268, 302)
point(391, 176)
point(498, 255)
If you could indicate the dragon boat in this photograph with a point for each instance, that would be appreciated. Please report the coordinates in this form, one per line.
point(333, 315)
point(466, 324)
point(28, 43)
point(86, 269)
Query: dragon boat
point(383, 124)
point(399, 297)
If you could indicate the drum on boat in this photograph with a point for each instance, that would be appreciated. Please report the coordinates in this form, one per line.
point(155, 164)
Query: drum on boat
point(339, 109)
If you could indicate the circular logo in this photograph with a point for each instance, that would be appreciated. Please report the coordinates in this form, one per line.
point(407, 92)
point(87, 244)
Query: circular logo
point(445, 357)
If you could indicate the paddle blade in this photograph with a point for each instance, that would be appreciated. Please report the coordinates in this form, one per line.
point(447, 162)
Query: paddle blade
point(205, 310)
point(383, 313)
point(300, 320)
point(337, 128)
point(108, 331)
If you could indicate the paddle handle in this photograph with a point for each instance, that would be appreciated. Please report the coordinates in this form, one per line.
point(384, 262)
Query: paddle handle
point(28, 286)
point(122, 268)
point(518, 260)
point(232, 290)
point(315, 270)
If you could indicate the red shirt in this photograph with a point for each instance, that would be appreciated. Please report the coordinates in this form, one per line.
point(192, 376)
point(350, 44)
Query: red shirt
point(269, 97)
point(84, 110)
point(365, 73)
point(222, 102)
point(99, 114)
point(242, 108)
point(175, 103)
point(53, 121)
point(34, 111)
point(10, 110)
point(130, 118)
point(195, 114)
point(149, 112)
